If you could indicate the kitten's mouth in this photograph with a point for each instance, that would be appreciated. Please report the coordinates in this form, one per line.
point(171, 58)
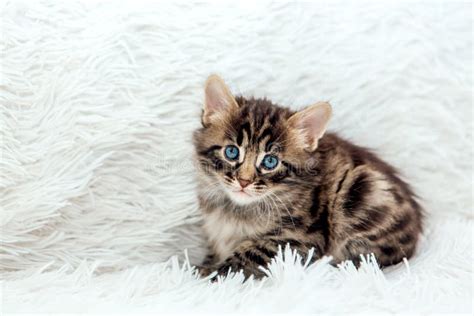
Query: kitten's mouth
point(241, 193)
point(241, 196)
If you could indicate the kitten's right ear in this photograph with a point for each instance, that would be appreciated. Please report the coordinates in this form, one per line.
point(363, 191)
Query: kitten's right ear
point(218, 100)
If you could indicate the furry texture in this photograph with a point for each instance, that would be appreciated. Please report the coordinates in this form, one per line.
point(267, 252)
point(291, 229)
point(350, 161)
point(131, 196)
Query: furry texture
point(98, 103)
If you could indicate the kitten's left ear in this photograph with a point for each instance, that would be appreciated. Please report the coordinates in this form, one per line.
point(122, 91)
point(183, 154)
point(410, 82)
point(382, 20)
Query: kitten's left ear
point(310, 124)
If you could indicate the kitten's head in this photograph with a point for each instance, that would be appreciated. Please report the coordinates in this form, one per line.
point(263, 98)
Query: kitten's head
point(250, 148)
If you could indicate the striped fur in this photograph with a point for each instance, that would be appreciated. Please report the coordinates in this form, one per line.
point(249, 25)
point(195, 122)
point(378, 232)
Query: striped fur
point(339, 199)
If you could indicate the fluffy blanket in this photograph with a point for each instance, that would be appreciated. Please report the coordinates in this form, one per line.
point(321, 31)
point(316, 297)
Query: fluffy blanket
point(98, 103)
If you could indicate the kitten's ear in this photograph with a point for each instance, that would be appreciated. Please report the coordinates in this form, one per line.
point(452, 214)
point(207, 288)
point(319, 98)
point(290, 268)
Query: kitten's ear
point(218, 100)
point(310, 124)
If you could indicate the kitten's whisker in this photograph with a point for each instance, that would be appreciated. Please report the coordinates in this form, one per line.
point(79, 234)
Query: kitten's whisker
point(269, 212)
point(261, 210)
point(276, 209)
point(271, 208)
point(212, 190)
point(285, 208)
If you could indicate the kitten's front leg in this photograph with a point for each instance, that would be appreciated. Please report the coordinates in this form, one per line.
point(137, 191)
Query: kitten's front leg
point(251, 254)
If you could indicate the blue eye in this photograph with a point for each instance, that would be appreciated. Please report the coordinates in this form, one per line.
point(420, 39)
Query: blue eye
point(269, 162)
point(231, 152)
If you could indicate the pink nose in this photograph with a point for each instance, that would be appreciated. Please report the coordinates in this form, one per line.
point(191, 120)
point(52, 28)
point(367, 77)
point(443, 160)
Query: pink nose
point(244, 183)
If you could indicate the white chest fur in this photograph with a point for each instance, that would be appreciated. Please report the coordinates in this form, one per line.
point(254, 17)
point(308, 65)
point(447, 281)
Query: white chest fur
point(225, 232)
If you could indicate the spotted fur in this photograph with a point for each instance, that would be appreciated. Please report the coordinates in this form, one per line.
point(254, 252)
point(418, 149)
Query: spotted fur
point(340, 199)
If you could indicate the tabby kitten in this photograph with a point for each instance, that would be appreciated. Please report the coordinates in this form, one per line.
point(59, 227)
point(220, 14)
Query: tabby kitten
point(269, 176)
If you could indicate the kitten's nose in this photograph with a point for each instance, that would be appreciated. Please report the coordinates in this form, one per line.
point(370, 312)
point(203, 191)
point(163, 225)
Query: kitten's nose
point(244, 183)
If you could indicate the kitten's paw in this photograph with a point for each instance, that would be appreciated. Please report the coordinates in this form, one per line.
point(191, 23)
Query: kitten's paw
point(205, 271)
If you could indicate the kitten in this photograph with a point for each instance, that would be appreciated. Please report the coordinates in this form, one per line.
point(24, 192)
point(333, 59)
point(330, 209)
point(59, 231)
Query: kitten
point(269, 176)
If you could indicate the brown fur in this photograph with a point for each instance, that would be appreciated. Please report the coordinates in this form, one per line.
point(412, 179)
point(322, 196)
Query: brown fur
point(339, 199)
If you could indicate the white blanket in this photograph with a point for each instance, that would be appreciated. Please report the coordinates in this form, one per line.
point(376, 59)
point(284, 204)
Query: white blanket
point(98, 103)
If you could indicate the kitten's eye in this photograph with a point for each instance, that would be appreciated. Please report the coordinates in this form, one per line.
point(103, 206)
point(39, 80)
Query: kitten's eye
point(269, 162)
point(231, 152)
